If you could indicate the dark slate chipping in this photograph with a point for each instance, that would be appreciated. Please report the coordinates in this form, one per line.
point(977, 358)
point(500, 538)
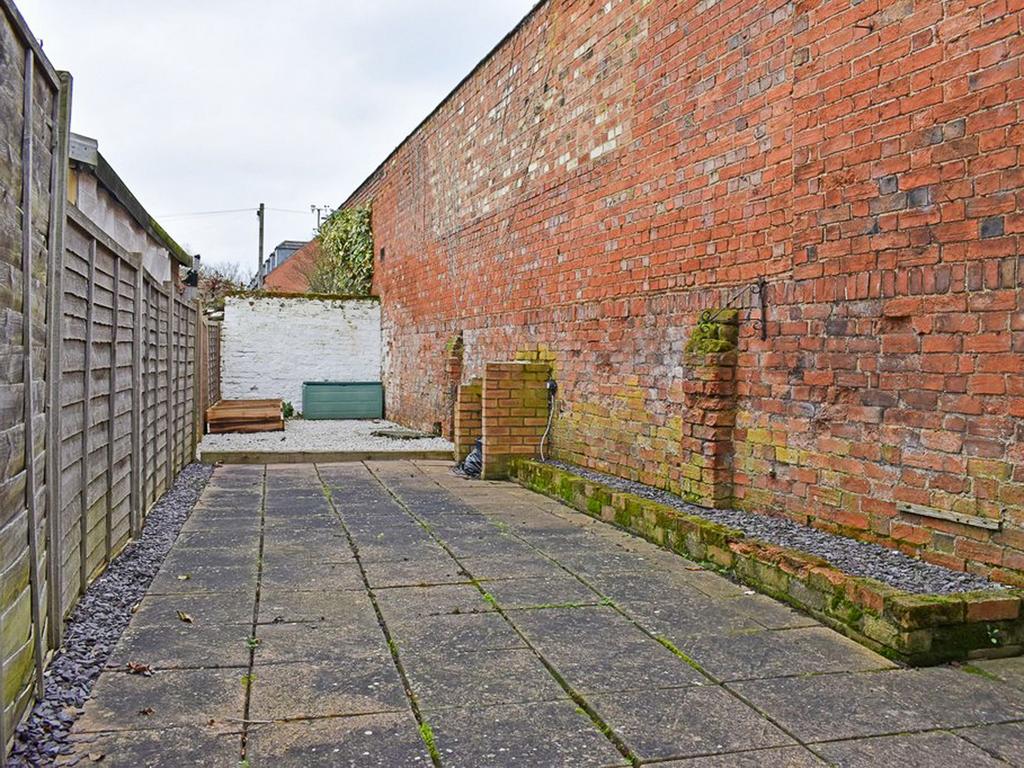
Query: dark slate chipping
point(97, 622)
point(857, 558)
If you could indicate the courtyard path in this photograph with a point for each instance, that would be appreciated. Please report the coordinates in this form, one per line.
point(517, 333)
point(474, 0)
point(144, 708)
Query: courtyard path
point(391, 614)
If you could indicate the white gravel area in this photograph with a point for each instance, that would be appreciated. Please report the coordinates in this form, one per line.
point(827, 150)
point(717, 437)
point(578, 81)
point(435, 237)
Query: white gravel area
point(325, 435)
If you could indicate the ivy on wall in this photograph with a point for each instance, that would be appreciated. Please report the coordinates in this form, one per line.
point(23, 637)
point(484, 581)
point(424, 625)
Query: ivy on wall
point(345, 264)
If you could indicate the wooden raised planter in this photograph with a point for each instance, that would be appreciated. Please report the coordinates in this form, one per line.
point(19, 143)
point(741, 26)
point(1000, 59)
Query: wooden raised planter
point(245, 416)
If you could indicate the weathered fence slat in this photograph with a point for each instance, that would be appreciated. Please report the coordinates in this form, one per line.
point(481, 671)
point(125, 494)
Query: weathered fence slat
point(108, 542)
point(170, 391)
point(83, 521)
point(28, 397)
point(135, 511)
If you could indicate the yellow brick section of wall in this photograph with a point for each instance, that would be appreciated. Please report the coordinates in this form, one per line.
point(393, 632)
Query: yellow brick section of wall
point(514, 413)
point(468, 425)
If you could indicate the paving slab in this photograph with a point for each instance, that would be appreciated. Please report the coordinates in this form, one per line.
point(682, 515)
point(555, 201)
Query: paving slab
point(775, 757)
point(769, 613)
point(438, 569)
point(828, 707)
point(511, 566)
point(1004, 740)
point(329, 606)
point(327, 549)
point(692, 616)
point(443, 636)
point(555, 589)
point(383, 740)
point(418, 548)
point(204, 609)
point(302, 575)
point(481, 542)
point(194, 558)
point(121, 701)
point(329, 538)
point(345, 643)
point(1010, 671)
point(480, 678)
point(548, 734)
point(598, 650)
point(359, 686)
point(683, 722)
point(772, 687)
point(915, 750)
point(777, 653)
point(416, 602)
point(201, 747)
point(191, 580)
point(178, 644)
point(219, 538)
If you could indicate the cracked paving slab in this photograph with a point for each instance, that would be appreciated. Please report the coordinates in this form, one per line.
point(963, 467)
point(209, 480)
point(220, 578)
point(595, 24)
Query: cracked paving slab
point(389, 613)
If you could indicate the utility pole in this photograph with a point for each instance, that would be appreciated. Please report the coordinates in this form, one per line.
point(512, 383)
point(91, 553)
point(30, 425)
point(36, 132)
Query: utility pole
point(259, 274)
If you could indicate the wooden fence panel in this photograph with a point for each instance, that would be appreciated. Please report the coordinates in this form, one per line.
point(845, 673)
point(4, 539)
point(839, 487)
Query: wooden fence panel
point(29, 102)
point(120, 435)
point(76, 307)
point(97, 379)
point(115, 333)
point(161, 390)
point(98, 409)
point(213, 362)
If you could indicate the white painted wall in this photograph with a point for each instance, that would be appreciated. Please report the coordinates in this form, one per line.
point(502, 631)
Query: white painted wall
point(270, 345)
point(110, 216)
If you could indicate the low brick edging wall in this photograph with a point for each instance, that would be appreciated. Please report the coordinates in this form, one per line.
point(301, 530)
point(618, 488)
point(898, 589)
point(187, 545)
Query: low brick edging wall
point(919, 630)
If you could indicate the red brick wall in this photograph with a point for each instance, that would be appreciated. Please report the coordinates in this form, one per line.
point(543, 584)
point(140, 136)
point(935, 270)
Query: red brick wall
point(615, 168)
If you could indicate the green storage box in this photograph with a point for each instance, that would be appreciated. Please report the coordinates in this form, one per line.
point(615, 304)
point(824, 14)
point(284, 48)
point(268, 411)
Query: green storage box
point(343, 400)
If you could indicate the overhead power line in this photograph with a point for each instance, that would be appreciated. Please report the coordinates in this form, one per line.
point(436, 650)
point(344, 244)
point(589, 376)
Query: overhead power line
point(229, 211)
point(204, 213)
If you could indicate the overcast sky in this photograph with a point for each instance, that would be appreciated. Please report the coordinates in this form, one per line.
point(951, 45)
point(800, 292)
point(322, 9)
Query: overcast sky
point(212, 105)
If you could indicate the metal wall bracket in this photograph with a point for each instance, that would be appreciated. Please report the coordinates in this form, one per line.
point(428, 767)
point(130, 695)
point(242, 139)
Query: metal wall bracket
point(758, 289)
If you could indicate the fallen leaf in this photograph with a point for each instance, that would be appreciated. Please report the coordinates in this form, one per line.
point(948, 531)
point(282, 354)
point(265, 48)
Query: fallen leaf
point(182, 616)
point(136, 606)
point(147, 711)
point(139, 669)
point(184, 576)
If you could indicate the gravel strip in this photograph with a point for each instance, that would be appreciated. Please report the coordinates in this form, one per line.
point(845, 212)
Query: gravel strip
point(97, 622)
point(857, 558)
point(323, 435)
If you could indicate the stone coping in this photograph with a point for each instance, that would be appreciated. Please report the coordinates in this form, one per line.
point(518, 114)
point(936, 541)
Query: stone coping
point(316, 457)
point(919, 630)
